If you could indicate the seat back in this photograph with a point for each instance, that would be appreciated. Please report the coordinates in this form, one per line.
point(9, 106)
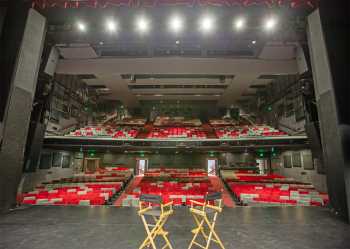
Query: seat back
point(154, 199)
point(213, 197)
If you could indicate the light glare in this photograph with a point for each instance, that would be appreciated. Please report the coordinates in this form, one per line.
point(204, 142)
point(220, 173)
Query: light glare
point(111, 26)
point(207, 24)
point(81, 26)
point(240, 24)
point(270, 24)
point(176, 24)
point(142, 25)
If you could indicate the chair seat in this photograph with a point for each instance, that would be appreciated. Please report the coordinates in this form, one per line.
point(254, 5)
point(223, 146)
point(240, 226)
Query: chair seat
point(153, 212)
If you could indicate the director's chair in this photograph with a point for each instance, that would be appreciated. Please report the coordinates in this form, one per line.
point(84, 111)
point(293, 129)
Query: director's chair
point(159, 215)
point(205, 215)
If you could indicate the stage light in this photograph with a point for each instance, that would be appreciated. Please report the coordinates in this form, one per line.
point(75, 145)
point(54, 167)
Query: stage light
point(207, 24)
point(254, 42)
point(81, 26)
point(142, 24)
point(270, 24)
point(176, 24)
point(240, 23)
point(111, 26)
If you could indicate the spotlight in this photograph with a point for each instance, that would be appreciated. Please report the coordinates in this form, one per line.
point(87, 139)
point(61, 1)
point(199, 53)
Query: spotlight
point(142, 24)
point(206, 24)
point(240, 23)
point(81, 26)
point(270, 24)
point(254, 42)
point(176, 24)
point(111, 26)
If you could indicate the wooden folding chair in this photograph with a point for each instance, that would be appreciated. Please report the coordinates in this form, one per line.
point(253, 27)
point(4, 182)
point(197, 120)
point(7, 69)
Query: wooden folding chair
point(205, 216)
point(159, 215)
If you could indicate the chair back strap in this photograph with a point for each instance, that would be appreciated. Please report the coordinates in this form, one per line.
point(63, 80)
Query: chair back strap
point(156, 199)
point(213, 196)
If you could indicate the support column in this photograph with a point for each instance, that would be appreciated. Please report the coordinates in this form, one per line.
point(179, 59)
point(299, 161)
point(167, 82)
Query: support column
point(22, 64)
point(328, 36)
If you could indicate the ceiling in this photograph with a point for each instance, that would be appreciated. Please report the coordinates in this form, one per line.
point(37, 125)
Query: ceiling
point(224, 80)
point(221, 66)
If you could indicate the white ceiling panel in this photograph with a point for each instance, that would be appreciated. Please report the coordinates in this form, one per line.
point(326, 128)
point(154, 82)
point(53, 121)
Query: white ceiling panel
point(278, 52)
point(86, 52)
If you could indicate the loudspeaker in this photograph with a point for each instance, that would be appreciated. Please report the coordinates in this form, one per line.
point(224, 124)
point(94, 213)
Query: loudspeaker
point(301, 60)
point(50, 67)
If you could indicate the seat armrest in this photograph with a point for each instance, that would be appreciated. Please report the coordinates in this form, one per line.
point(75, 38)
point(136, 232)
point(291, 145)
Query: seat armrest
point(197, 203)
point(142, 211)
point(214, 207)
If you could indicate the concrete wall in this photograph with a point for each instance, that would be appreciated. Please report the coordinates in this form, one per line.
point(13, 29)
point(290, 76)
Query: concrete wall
point(234, 158)
point(300, 173)
point(30, 180)
point(155, 160)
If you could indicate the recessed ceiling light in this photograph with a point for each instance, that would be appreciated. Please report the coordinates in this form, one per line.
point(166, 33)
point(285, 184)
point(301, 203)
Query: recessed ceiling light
point(206, 24)
point(111, 26)
point(81, 26)
point(270, 24)
point(142, 24)
point(176, 24)
point(240, 23)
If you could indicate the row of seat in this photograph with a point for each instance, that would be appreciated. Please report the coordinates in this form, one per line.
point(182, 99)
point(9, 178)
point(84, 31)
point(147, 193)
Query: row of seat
point(177, 185)
point(92, 188)
point(180, 193)
point(177, 132)
point(115, 132)
point(301, 195)
point(84, 194)
point(129, 132)
point(247, 131)
point(272, 189)
point(176, 173)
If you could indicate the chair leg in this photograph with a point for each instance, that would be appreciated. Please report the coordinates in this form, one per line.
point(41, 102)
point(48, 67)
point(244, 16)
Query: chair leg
point(213, 233)
point(156, 231)
point(168, 244)
point(149, 239)
point(196, 234)
point(202, 228)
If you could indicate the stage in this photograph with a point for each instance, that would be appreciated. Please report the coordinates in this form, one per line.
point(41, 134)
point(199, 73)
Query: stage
point(120, 228)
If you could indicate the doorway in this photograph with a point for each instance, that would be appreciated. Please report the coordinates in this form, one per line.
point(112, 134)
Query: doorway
point(212, 165)
point(141, 166)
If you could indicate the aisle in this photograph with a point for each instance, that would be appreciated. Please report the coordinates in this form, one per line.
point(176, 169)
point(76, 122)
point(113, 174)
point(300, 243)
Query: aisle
point(219, 185)
point(133, 184)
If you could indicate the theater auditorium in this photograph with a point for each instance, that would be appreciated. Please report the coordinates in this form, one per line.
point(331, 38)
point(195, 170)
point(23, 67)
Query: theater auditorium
point(131, 124)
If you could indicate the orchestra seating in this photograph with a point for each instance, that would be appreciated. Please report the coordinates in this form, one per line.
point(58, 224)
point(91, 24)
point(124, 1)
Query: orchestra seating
point(177, 132)
point(107, 131)
point(176, 185)
point(247, 131)
point(253, 189)
point(83, 189)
